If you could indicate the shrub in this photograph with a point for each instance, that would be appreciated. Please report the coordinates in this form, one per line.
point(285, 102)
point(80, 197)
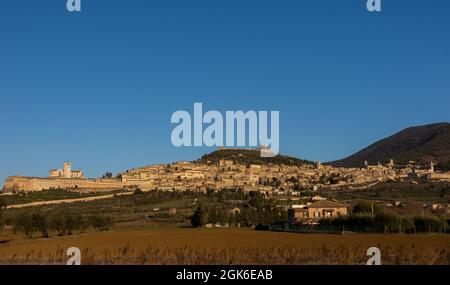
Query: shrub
point(261, 227)
point(387, 222)
point(101, 223)
point(429, 224)
point(408, 225)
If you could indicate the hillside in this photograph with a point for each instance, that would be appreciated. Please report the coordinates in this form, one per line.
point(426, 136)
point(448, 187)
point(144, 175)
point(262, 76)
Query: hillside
point(245, 156)
point(421, 144)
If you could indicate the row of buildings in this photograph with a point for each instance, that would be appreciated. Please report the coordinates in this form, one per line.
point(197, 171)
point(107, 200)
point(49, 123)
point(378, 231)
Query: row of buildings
point(226, 174)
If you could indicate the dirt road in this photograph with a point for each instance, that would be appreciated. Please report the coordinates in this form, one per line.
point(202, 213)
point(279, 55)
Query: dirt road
point(63, 201)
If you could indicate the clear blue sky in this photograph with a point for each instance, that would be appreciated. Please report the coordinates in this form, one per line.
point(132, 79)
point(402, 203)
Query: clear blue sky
point(98, 88)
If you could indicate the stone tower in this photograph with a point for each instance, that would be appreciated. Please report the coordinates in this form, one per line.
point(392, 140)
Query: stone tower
point(67, 169)
point(391, 163)
point(318, 165)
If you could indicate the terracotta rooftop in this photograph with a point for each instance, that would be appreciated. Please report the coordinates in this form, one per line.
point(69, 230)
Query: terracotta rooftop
point(327, 204)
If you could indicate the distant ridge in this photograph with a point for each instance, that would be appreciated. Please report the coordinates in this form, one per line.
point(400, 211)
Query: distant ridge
point(422, 144)
point(250, 156)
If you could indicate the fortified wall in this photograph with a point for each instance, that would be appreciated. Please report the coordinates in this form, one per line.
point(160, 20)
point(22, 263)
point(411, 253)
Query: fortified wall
point(30, 184)
point(68, 179)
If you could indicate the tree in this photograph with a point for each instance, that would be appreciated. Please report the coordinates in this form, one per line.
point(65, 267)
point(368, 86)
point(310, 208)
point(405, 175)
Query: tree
point(80, 223)
point(70, 223)
point(199, 218)
point(231, 219)
point(40, 223)
point(107, 175)
point(100, 223)
point(57, 222)
point(138, 191)
point(2, 206)
point(365, 208)
point(23, 222)
point(212, 214)
point(222, 217)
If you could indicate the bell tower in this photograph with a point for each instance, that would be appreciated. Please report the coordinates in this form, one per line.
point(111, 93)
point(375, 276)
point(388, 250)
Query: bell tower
point(67, 169)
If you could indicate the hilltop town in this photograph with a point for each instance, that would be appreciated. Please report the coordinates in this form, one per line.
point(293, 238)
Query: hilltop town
point(231, 169)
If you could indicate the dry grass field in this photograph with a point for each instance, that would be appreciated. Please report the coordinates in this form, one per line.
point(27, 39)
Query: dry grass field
point(223, 246)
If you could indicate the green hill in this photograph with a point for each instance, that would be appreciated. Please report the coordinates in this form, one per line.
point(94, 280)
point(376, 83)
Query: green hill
point(245, 156)
point(422, 144)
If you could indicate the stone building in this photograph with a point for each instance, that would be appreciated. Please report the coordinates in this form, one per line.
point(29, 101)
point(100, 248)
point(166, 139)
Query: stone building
point(316, 211)
point(67, 172)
